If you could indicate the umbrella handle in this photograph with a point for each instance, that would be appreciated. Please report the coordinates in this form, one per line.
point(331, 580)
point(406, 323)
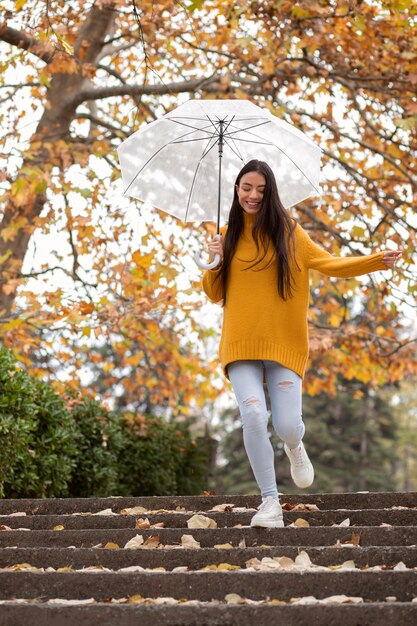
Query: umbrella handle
point(207, 266)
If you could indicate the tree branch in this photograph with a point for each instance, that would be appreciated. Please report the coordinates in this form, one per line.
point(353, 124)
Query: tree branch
point(25, 42)
point(136, 90)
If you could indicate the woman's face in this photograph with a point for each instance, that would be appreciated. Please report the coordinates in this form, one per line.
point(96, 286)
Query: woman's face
point(250, 191)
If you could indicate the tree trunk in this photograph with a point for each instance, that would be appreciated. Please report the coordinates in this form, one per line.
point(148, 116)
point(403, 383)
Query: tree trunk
point(27, 197)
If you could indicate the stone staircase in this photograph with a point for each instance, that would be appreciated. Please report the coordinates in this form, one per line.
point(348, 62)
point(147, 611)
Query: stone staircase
point(342, 559)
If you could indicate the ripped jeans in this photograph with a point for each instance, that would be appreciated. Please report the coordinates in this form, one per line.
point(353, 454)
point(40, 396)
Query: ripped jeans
point(284, 388)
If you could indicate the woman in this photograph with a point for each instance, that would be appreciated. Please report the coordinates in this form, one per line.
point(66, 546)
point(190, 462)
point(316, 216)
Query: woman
point(263, 283)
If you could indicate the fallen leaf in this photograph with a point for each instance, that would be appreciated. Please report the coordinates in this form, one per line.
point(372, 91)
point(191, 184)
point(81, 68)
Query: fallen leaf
point(17, 514)
point(111, 546)
point(201, 521)
point(208, 493)
point(180, 569)
point(242, 543)
point(400, 566)
point(63, 570)
point(66, 602)
point(151, 542)
point(233, 598)
point(137, 599)
point(181, 509)
point(303, 560)
point(223, 508)
point(131, 568)
point(188, 541)
point(227, 567)
point(58, 527)
point(223, 546)
point(135, 542)
point(300, 523)
point(356, 539)
point(304, 600)
point(158, 525)
point(142, 523)
point(346, 522)
point(105, 512)
point(135, 510)
point(4, 527)
point(341, 599)
point(284, 561)
point(386, 525)
point(299, 507)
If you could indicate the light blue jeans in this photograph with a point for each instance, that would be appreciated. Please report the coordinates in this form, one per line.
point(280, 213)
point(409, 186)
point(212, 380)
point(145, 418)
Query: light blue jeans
point(284, 388)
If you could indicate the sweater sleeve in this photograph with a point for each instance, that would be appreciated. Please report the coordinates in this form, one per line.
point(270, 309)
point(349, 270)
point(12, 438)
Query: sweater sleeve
point(211, 282)
point(212, 285)
point(341, 267)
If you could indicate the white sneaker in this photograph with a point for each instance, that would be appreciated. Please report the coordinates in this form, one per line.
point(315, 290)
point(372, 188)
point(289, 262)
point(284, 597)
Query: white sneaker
point(302, 471)
point(269, 514)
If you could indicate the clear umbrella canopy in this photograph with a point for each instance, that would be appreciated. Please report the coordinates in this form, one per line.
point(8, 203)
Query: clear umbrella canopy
point(186, 162)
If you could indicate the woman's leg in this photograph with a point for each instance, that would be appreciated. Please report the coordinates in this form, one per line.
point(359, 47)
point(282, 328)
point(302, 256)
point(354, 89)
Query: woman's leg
point(284, 388)
point(247, 381)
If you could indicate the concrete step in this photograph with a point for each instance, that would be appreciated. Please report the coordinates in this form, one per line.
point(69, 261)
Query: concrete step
point(372, 614)
point(372, 586)
point(208, 537)
point(370, 517)
point(195, 559)
point(324, 501)
point(382, 535)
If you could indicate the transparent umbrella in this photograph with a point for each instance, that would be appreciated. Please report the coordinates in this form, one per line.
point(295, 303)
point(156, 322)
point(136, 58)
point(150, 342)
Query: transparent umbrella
point(186, 162)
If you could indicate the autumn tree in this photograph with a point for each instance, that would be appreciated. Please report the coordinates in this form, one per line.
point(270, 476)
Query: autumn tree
point(91, 72)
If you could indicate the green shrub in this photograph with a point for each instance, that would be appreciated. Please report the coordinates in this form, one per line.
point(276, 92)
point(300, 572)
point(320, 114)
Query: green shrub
point(59, 447)
point(37, 435)
point(98, 441)
point(17, 414)
point(160, 458)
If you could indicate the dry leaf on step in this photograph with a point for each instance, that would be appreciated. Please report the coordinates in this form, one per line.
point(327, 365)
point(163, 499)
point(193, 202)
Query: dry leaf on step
point(201, 521)
point(151, 542)
point(222, 508)
point(233, 598)
point(105, 512)
point(188, 541)
point(142, 523)
point(135, 542)
point(300, 523)
point(135, 510)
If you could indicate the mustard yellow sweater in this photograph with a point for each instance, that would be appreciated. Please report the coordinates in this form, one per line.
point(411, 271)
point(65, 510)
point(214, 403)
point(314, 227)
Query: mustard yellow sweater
point(257, 323)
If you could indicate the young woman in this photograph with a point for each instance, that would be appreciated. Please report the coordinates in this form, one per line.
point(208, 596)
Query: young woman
point(263, 284)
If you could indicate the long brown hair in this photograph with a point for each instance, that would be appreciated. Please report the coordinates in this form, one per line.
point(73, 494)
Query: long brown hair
point(272, 225)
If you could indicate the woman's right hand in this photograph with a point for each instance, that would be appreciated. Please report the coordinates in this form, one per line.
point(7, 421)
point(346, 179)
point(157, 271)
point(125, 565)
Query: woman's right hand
point(215, 246)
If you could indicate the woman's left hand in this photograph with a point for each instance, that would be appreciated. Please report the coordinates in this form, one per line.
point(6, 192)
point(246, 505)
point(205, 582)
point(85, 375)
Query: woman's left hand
point(390, 258)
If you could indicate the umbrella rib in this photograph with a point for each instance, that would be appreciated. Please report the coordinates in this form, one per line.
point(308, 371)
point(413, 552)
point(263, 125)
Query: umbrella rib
point(203, 130)
point(205, 152)
point(173, 141)
point(234, 149)
point(248, 128)
point(270, 143)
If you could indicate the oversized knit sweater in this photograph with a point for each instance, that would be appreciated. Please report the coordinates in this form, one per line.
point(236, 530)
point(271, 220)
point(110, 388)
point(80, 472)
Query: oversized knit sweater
point(257, 322)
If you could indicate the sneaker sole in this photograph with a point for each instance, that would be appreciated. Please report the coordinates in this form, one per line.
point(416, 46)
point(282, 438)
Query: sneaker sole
point(268, 525)
point(302, 485)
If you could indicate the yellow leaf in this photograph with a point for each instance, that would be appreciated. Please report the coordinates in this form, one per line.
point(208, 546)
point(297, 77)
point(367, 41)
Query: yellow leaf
point(301, 523)
point(223, 546)
point(19, 4)
point(58, 527)
point(112, 546)
point(201, 521)
point(227, 567)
